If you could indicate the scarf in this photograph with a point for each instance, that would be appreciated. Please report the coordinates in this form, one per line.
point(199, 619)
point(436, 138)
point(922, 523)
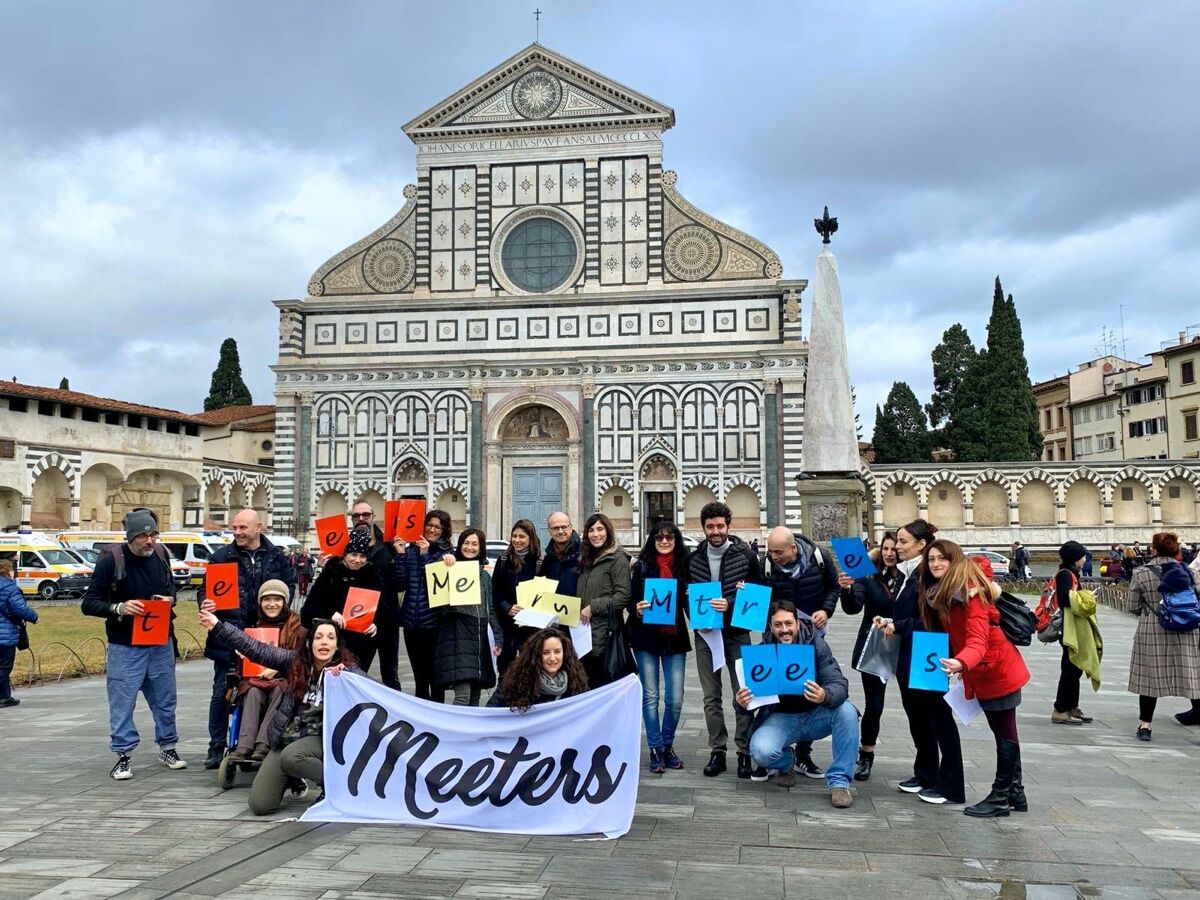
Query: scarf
point(666, 563)
point(552, 685)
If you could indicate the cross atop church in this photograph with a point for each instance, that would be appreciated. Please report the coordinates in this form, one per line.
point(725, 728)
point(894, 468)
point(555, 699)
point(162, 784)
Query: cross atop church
point(537, 25)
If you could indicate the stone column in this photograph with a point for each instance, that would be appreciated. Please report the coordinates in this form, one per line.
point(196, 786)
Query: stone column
point(74, 512)
point(770, 439)
point(588, 450)
point(476, 393)
point(26, 510)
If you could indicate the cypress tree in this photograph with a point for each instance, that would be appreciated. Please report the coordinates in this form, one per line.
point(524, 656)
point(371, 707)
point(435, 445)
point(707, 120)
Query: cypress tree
point(951, 359)
point(64, 385)
point(901, 429)
point(227, 387)
point(994, 414)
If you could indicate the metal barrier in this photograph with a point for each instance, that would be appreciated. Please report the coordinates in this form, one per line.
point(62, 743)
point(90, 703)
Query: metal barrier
point(190, 647)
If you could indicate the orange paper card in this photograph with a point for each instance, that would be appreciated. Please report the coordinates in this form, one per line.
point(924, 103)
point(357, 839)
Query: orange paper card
point(332, 534)
point(153, 627)
point(221, 585)
point(359, 611)
point(410, 520)
point(391, 512)
point(267, 636)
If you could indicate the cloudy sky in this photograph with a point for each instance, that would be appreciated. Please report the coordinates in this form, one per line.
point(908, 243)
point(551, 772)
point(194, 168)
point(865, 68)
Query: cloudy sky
point(168, 168)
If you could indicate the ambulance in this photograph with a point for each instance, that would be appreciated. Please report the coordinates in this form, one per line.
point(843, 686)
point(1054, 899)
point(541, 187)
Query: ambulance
point(42, 568)
point(181, 572)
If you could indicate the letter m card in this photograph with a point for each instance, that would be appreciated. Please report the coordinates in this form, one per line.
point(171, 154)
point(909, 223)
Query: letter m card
point(660, 594)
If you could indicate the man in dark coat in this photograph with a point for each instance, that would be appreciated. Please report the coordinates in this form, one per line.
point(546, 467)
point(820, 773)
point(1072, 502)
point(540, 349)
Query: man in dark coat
point(258, 561)
point(727, 559)
point(561, 562)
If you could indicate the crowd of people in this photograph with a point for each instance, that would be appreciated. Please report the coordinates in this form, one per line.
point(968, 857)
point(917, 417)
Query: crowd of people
point(921, 584)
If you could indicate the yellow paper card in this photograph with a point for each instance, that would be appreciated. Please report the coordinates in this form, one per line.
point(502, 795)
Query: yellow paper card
point(456, 585)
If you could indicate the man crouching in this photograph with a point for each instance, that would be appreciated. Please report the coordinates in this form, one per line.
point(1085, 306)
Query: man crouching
point(821, 711)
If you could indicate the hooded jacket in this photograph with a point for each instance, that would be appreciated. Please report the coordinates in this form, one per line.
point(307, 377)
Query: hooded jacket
point(810, 583)
point(992, 666)
point(605, 587)
point(255, 567)
point(829, 676)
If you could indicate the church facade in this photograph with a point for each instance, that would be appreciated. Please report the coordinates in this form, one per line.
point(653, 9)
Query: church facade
point(547, 323)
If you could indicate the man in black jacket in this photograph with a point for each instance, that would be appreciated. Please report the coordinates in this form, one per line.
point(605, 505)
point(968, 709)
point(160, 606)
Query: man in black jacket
point(125, 576)
point(729, 560)
point(258, 561)
point(387, 616)
point(800, 573)
point(822, 710)
point(561, 562)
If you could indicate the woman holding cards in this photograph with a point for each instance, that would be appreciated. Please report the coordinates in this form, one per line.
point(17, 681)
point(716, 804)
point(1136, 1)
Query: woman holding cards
point(519, 562)
point(661, 647)
point(417, 618)
point(872, 596)
point(294, 731)
point(938, 767)
point(463, 662)
point(327, 599)
point(958, 597)
point(604, 585)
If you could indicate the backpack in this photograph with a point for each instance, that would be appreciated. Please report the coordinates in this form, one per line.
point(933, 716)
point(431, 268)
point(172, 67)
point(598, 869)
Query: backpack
point(1179, 610)
point(1048, 614)
point(118, 555)
point(1016, 621)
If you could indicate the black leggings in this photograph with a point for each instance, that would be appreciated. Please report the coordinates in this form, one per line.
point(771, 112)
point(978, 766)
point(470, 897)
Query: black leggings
point(1146, 706)
point(939, 762)
point(1067, 697)
point(421, 645)
point(874, 692)
point(1003, 723)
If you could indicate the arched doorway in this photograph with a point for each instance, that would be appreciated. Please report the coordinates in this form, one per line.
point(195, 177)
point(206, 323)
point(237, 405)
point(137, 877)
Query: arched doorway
point(657, 478)
point(532, 462)
point(51, 507)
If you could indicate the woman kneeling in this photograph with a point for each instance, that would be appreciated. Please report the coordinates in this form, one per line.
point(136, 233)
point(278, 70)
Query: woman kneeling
point(294, 733)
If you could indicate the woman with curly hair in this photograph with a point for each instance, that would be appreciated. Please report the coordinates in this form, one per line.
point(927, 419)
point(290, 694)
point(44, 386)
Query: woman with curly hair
point(545, 670)
point(295, 730)
point(959, 598)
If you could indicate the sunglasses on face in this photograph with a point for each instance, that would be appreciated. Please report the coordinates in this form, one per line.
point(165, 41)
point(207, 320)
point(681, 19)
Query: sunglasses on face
point(663, 538)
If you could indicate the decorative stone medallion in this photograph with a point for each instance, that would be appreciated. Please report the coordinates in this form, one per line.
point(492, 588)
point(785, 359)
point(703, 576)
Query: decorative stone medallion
point(388, 266)
point(692, 253)
point(537, 95)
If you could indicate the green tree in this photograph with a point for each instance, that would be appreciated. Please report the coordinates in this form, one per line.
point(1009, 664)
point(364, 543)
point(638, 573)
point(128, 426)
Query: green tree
point(227, 387)
point(951, 359)
point(994, 415)
point(901, 429)
point(64, 385)
point(857, 418)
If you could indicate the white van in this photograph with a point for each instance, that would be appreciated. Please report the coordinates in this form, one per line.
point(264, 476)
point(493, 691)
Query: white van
point(42, 568)
point(181, 570)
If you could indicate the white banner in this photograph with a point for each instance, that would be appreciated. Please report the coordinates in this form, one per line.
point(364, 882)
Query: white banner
point(567, 767)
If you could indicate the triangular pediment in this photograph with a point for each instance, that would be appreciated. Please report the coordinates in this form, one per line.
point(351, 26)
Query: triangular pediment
point(539, 90)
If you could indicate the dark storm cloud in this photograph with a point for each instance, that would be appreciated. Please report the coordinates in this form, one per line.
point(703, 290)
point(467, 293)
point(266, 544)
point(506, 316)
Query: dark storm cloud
point(167, 168)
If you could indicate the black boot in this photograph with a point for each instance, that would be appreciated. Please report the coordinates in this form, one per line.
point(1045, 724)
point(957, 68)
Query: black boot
point(1016, 793)
point(862, 771)
point(216, 752)
point(716, 764)
point(996, 803)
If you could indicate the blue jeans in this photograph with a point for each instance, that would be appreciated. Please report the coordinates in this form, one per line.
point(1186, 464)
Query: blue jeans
point(673, 667)
point(771, 742)
point(150, 670)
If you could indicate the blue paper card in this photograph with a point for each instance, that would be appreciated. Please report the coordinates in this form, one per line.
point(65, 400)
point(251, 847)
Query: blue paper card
point(778, 668)
point(929, 648)
point(660, 594)
point(852, 556)
point(750, 607)
point(760, 665)
point(702, 614)
point(797, 664)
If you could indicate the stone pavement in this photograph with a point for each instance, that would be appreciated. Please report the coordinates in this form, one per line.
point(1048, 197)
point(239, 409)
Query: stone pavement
point(1110, 818)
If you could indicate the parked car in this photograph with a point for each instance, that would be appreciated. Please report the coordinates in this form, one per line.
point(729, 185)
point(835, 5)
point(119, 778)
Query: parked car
point(1000, 564)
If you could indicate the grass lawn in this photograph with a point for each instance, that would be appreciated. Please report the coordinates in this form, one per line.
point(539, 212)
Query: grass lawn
point(66, 641)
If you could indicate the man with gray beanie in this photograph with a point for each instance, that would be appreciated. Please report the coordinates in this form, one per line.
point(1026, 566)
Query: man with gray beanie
point(126, 576)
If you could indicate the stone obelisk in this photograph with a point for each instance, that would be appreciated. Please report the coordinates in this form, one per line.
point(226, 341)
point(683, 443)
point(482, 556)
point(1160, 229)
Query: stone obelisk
point(831, 492)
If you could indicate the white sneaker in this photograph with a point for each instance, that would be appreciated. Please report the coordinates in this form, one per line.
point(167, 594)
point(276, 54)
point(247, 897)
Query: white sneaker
point(123, 770)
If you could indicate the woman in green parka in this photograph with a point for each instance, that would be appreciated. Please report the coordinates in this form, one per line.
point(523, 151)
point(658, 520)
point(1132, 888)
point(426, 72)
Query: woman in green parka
point(464, 654)
point(604, 591)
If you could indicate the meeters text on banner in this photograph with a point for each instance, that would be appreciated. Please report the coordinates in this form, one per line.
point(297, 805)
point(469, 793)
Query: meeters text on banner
point(567, 767)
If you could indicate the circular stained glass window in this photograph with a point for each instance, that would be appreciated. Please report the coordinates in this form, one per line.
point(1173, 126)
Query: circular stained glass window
point(539, 255)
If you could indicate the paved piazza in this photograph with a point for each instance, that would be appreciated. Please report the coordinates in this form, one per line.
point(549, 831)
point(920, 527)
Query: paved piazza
point(1110, 818)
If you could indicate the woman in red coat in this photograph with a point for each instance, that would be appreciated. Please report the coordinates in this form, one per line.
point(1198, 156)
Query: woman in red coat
point(960, 598)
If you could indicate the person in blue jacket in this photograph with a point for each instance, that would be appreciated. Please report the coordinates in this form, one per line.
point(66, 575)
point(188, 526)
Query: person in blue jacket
point(13, 611)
